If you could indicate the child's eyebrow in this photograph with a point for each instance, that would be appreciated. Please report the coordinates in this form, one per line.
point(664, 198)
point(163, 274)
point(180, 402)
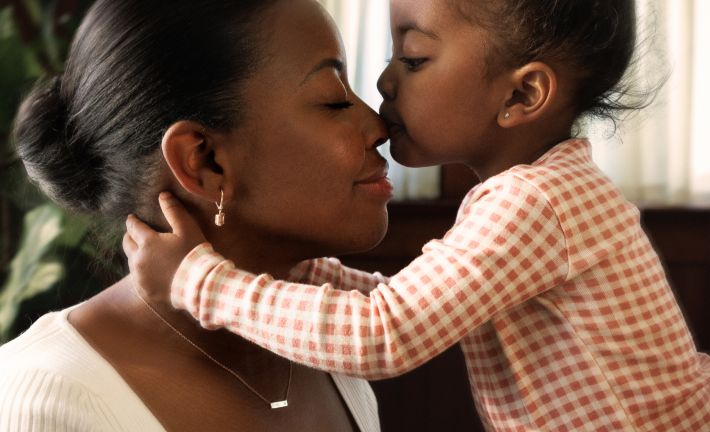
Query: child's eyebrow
point(324, 64)
point(412, 26)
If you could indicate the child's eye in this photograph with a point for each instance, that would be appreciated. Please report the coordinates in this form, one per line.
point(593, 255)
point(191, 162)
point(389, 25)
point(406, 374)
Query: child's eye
point(412, 64)
point(339, 105)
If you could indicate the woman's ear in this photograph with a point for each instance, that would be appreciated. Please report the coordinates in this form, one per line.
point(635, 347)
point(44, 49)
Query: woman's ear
point(533, 91)
point(189, 151)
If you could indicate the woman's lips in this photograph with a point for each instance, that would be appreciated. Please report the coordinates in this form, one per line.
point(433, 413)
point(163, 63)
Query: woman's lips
point(377, 183)
point(380, 186)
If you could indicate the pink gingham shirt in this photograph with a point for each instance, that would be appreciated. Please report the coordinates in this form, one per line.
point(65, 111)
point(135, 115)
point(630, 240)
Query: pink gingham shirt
point(547, 281)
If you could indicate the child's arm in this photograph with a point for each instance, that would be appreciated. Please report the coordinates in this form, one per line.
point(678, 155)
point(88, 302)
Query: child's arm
point(320, 271)
point(506, 248)
point(165, 251)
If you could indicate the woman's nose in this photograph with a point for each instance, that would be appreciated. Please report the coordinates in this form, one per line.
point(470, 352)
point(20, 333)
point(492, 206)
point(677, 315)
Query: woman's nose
point(386, 84)
point(375, 130)
point(378, 134)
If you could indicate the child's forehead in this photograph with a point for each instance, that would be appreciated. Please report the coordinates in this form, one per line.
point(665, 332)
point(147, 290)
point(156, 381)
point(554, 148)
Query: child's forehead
point(425, 14)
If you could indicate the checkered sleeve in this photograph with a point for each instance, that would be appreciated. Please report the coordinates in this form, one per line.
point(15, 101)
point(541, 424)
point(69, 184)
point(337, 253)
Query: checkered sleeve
point(505, 249)
point(330, 270)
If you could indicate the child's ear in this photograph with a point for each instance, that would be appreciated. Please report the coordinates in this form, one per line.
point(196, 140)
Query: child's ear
point(533, 90)
point(192, 154)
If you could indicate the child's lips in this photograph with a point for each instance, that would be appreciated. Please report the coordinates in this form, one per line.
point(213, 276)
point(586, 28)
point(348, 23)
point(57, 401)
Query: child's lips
point(395, 129)
point(394, 125)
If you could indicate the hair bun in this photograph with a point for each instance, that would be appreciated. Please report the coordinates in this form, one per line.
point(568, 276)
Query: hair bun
point(66, 169)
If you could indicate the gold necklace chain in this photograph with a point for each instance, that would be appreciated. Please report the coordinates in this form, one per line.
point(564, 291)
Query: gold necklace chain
point(274, 405)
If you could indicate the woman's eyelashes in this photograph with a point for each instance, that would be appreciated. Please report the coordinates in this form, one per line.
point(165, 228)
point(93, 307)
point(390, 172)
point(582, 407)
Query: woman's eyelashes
point(339, 105)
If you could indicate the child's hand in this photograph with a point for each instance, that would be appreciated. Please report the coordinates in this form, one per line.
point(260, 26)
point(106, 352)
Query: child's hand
point(154, 257)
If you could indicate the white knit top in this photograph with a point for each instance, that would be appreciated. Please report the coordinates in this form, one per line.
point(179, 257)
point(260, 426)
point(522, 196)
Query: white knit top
point(51, 379)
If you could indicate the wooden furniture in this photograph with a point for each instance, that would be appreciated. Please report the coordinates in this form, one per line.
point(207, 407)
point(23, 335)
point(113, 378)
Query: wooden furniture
point(681, 236)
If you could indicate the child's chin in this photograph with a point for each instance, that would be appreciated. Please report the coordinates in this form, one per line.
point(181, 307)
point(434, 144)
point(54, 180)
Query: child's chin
point(403, 154)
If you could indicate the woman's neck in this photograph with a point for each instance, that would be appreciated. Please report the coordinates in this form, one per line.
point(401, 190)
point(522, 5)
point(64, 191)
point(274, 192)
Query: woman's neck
point(251, 249)
point(170, 327)
point(130, 334)
point(257, 252)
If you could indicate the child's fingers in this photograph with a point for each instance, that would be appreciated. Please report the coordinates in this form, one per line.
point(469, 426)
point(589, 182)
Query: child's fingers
point(179, 219)
point(138, 231)
point(129, 245)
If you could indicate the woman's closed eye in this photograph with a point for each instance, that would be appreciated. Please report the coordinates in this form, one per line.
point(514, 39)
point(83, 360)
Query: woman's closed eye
point(339, 105)
point(413, 64)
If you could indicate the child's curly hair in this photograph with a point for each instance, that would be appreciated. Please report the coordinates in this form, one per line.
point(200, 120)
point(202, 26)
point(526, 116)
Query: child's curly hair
point(596, 39)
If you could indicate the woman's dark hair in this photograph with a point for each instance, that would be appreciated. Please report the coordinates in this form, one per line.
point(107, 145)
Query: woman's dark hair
point(90, 137)
point(595, 39)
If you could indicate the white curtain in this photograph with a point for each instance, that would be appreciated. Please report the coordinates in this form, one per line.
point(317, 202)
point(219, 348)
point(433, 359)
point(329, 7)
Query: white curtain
point(364, 25)
point(660, 155)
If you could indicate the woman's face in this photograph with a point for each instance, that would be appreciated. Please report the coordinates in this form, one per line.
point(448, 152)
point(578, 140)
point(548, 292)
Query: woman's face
point(307, 168)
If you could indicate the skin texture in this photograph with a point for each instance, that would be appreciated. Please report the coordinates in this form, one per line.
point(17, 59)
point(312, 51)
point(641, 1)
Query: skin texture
point(292, 178)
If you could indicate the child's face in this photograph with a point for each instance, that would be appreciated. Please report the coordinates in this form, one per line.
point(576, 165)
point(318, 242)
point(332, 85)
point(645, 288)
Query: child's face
point(439, 105)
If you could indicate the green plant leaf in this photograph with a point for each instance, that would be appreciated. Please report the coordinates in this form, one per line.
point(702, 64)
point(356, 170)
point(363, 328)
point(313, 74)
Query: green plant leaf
point(74, 231)
point(49, 40)
point(45, 275)
point(50, 240)
point(29, 275)
point(13, 79)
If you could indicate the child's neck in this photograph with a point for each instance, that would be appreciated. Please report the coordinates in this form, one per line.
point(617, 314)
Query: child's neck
point(518, 146)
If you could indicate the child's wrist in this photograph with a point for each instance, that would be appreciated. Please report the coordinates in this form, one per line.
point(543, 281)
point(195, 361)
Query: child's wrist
point(198, 251)
point(184, 289)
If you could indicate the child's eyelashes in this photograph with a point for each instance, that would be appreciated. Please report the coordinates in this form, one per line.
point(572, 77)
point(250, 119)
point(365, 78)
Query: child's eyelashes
point(413, 64)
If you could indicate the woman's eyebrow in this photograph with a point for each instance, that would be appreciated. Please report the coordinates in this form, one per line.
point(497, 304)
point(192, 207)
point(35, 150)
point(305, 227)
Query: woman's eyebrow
point(324, 64)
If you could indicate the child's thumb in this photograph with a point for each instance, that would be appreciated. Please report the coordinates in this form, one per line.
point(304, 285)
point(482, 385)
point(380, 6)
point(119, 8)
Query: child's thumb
point(179, 219)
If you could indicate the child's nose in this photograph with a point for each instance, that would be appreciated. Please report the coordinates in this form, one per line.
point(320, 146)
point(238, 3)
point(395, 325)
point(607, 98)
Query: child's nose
point(386, 83)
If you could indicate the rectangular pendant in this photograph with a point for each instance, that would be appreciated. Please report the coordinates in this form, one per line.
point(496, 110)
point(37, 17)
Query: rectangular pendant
point(279, 404)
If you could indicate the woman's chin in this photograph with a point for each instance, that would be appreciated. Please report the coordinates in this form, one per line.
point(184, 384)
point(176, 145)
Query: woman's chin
point(370, 237)
point(375, 238)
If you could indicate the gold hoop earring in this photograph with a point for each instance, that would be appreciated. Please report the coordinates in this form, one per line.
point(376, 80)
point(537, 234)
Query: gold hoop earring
point(219, 217)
